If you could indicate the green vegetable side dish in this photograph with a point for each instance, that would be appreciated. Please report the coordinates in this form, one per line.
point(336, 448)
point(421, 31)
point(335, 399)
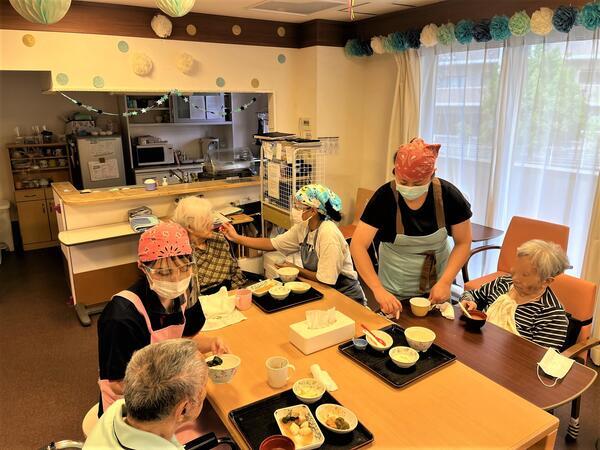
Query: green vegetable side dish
point(341, 424)
point(216, 361)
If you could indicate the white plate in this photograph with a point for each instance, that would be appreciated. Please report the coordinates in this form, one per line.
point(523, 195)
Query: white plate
point(318, 438)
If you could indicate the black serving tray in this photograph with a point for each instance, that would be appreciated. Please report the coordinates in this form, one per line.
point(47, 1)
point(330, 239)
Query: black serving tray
point(269, 305)
point(256, 422)
point(382, 365)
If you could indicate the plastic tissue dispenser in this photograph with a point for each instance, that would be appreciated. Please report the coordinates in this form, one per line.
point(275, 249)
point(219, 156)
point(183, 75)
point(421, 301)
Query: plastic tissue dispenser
point(320, 330)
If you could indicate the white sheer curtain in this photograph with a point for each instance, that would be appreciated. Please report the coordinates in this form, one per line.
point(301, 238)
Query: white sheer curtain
point(519, 124)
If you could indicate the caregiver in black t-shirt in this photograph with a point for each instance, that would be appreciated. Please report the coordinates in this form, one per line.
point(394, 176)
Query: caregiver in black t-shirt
point(412, 216)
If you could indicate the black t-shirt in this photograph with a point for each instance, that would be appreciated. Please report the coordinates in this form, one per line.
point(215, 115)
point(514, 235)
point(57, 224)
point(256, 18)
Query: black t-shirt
point(381, 212)
point(122, 329)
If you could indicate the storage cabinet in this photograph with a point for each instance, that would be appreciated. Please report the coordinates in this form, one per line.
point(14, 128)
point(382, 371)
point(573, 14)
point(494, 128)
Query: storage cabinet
point(33, 221)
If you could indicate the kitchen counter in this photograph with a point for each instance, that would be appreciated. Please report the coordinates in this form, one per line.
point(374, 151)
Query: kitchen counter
point(69, 195)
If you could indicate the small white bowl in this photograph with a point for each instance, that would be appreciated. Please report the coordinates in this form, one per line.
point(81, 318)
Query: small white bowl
point(404, 357)
point(287, 273)
point(325, 410)
point(301, 390)
point(382, 335)
point(419, 338)
point(223, 373)
point(298, 287)
point(279, 292)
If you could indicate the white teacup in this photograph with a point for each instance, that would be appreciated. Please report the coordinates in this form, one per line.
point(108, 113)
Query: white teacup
point(278, 371)
point(420, 306)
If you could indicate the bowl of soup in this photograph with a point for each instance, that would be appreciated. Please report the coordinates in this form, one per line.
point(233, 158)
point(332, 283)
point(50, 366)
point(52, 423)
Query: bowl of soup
point(298, 287)
point(419, 338)
point(404, 357)
point(287, 274)
point(279, 292)
point(477, 320)
point(222, 368)
point(308, 390)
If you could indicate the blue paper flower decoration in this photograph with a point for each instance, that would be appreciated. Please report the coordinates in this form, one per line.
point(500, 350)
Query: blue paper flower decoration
point(413, 38)
point(398, 41)
point(564, 18)
point(590, 16)
point(464, 31)
point(357, 47)
point(499, 29)
point(481, 31)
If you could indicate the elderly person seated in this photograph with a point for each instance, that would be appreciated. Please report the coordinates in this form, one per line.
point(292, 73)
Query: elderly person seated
point(213, 264)
point(523, 302)
point(164, 387)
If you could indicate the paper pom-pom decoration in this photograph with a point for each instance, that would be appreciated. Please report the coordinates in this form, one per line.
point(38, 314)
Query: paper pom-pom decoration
point(464, 31)
point(141, 64)
point(357, 47)
point(46, 12)
point(377, 45)
point(175, 8)
point(499, 28)
point(564, 18)
point(162, 26)
point(413, 38)
point(541, 21)
point(185, 63)
point(481, 31)
point(446, 34)
point(589, 16)
point(387, 44)
point(429, 35)
point(398, 41)
point(519, 23)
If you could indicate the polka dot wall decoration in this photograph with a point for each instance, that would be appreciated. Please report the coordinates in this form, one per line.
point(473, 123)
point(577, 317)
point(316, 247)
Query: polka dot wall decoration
point(281, 59)
point(255, 83)
point(28, 40)
point(220, 82)
point(191, 30)
point(123, 46)
point(62, 79)
point(236, 30)
point(98, 82)
point(281, 31)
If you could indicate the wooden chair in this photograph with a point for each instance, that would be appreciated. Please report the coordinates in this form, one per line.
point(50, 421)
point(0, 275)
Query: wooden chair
point(578, 298)
point(520, 230)
point(362, 198)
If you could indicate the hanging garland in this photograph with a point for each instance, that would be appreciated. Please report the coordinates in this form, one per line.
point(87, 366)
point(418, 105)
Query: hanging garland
point(498, 28)
point(158, 103)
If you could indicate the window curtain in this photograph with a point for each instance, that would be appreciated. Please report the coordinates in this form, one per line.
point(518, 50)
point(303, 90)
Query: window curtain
point(591, 267)
point(404, 122)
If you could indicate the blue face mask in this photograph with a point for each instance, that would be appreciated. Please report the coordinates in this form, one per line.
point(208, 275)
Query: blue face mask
point(412, 192)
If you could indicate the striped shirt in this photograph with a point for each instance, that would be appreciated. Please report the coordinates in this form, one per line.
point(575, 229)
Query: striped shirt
point(543, 321)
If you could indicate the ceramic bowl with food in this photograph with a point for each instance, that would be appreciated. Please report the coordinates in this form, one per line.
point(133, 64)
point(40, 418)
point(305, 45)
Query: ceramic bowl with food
point(336, 418)
point(419, 338)
point(308, 390)
point(222, 368)
point(279, 292)
point(404, 357)
point(287, 274)
point(262, 287)
point(377, 345)
point(298, 287)
point(477, 320)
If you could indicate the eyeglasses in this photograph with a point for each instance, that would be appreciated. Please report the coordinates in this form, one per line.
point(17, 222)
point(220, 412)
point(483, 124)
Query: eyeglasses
point(168, 271)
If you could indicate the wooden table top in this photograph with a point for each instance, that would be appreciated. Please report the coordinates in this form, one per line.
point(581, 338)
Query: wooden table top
point(454, 407)
point(484, 233)
point(503, 357)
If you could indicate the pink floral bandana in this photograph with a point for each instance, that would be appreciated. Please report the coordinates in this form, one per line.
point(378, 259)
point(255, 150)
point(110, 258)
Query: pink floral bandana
point(164, 240)
point(416, 160)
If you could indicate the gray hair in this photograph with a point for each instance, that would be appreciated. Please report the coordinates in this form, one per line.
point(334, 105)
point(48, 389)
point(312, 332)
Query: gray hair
point(194, 212)
point(161, 375)
point(548, 258)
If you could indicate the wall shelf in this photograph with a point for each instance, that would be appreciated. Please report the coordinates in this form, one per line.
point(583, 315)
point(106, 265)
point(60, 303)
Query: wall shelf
point(54, 144)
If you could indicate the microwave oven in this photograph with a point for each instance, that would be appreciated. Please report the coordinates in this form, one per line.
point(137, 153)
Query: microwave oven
point(154, 154)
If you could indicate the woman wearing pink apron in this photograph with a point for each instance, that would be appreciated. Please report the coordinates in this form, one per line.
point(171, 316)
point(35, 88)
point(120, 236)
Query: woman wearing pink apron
point(154, 309)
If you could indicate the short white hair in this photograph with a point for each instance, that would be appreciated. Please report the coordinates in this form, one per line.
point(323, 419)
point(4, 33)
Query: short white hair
point(193, 212)
point(548, 258)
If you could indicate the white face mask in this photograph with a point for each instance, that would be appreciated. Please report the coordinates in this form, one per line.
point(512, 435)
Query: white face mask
point(555, 365)
point(169, 289)
point(412, 192)
point(296, 216)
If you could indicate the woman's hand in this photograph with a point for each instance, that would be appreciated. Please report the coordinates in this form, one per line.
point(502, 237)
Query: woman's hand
point(229, 232)
point(440, 292)
point(218, 346)
point(470, 305)
point(388, 302)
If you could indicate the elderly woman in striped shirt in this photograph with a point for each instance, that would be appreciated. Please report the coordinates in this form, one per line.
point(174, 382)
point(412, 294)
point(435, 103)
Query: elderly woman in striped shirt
point(523, 302)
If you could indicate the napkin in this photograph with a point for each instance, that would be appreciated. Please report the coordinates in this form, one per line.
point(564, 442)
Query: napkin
point(219, 310)
point(323, 377)
point(446, 309)
point(316, 319)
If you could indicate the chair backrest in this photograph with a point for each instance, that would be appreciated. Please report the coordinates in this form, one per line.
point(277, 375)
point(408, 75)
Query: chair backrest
point(362, 198)
point(522, 229)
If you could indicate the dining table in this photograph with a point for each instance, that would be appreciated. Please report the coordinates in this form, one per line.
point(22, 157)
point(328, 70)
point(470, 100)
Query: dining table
point(460, 405)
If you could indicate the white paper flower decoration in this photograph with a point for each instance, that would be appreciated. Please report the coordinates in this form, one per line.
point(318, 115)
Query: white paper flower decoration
point(42, 11)
point(429, 35)
point(185, 63)
point(162, 26)
point(541, 21)
point(175, 8)
point(141, 64)
point(377, 45)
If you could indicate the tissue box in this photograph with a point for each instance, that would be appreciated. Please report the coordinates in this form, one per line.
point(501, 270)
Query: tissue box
point(309, 341)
